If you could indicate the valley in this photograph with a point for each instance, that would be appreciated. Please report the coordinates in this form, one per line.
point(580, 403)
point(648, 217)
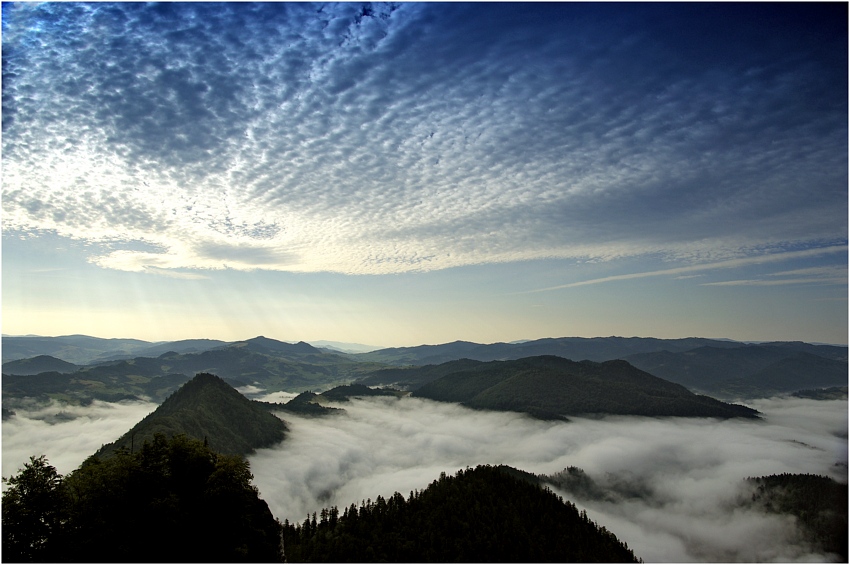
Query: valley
point(628, 449)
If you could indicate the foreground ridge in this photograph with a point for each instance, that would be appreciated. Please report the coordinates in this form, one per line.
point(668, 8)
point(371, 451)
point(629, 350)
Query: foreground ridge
point(479, 515)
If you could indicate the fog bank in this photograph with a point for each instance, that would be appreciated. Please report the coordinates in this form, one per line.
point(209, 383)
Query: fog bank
point(675, 482)
point(65, 433)
point(688, 472)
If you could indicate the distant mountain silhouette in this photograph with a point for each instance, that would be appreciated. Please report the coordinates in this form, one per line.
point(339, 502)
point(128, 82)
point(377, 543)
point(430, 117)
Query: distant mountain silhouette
point(724, 369)
point(207, 408)
point(748, 371)
point(577, 348)
point(77, 349)
point(553, 387)
point(269, 346)
point(697, 363)
point(39, 364)
point(262, 362)
point(181, 346)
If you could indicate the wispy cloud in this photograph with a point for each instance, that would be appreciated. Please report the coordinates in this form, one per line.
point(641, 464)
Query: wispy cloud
point(298, 137)
point(728, 264)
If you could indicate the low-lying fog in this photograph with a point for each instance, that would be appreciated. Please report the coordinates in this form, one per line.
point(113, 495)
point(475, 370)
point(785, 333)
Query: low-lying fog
point(688, 472)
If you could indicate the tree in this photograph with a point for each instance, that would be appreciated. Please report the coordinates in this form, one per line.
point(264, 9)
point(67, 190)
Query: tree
point(33, 512)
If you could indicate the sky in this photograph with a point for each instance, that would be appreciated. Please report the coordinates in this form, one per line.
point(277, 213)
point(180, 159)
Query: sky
point(690, 495)
point(399, 174)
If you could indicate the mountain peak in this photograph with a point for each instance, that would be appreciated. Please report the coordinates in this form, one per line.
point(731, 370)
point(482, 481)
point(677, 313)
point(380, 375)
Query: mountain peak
point(262, 344)
point(208, 408)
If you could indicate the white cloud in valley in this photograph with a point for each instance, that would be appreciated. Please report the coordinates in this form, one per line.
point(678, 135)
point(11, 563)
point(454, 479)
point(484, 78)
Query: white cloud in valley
point(688, 472)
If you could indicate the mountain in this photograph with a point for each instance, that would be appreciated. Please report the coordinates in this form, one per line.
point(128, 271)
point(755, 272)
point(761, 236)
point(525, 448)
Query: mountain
point(578, 348)
point(748, 371)
point(265, 363)
point(818, 503)
point(38, 364)
point(181, 346)
point(170, 501)
point(553, 387)
point(209, 409)
point(344, 347)
point(78, 349)
point(483, 514)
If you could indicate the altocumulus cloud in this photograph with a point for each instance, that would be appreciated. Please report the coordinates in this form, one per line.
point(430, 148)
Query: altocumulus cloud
point(675, 482)
point(389, 138)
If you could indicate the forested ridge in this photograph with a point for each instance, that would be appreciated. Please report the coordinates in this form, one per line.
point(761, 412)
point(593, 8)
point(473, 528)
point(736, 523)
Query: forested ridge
point(552, 387)
point(208, 408)
point(173, 500)
point(170, 497)
point(819, 503)
point(479, 515)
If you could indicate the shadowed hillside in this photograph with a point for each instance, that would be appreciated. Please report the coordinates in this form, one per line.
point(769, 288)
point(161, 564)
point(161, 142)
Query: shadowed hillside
point(551, 387)
point(480, 515)
point(207, 408)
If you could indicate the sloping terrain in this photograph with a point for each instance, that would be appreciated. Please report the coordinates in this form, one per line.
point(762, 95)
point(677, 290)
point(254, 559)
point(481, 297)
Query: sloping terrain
point(208, 409)
point(479, 515)
point(269, 364)
point(747, 371)
point(577, 348)
point(38, 364)
point(551, 387)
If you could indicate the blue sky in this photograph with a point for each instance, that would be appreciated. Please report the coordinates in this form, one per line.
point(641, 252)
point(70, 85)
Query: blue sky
point(425, 172)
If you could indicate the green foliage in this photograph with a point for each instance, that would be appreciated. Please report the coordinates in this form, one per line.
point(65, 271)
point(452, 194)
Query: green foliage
point(818, 502)
point(173, 500)
point(831, 393)
point(208, 408)
point(480, 515)
point(344, 392)
point(33, 512)
point(550, 387)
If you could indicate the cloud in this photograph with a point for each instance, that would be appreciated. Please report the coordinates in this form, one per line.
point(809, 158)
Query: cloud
point(830, 275)
point(729, 264)
point(416, 137)
point(689, 470)
point(66, 434)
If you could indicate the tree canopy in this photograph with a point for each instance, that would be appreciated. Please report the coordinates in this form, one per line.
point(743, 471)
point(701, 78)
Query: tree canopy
point(173, 500)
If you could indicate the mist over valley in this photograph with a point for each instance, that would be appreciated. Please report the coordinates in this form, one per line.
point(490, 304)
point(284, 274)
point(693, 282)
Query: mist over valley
point(673, 488)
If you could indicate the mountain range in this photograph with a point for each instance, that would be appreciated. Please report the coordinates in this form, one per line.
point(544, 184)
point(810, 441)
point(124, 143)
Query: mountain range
point(724, 369)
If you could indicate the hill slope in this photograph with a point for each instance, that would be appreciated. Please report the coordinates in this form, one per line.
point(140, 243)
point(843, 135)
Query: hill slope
point(207, 408)
point(748, 371)
point(548, 386)
point(38, 364)
point(480, 515)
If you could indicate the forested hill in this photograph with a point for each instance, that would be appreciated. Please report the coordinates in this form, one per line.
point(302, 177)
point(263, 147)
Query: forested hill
point(552, 387)
point(479, 515)
point(207, 408)
point(171, 501)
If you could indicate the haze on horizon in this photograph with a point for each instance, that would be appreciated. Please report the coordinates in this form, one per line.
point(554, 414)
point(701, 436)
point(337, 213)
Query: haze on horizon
point(399, 174)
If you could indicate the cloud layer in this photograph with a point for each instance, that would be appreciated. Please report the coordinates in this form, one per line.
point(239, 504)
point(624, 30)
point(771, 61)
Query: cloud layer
point(391, 138)
point(688, 472)
point(66, 434)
